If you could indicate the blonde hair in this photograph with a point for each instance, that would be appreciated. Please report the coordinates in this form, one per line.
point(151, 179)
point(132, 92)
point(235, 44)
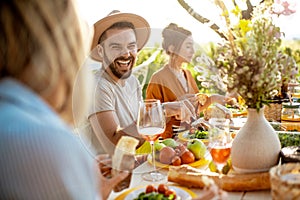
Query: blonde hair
point(41, 42)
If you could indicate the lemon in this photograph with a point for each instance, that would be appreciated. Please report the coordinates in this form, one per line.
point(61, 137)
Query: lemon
point(144, 149)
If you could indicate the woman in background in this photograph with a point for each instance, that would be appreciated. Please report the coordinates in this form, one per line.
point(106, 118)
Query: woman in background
point(173, 82)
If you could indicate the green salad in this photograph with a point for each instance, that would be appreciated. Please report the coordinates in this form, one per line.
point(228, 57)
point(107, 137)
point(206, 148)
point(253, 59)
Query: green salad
point(197, 134)
point(288, 139)
point(154, 196)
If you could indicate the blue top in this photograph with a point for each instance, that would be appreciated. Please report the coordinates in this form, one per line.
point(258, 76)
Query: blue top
point(40, 157)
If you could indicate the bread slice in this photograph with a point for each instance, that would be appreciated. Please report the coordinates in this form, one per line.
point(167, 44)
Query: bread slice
point(202, 98)
point(188, 176)
point(123, 159)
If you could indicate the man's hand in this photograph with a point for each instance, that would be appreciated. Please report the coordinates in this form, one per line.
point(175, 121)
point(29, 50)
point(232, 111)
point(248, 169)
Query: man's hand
point(107, 182)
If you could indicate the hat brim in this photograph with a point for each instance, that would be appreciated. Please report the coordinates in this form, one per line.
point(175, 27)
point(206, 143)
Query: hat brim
point(142, 30)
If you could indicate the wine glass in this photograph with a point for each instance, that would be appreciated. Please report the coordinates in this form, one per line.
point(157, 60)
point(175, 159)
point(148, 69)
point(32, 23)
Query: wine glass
point(151, 124)
point(219, 142)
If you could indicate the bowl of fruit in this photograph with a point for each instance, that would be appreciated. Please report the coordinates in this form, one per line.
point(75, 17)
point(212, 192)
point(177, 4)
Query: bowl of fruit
point(169, 152)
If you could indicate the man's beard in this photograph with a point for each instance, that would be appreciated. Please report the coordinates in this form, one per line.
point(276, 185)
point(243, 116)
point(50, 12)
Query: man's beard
point(112, 66)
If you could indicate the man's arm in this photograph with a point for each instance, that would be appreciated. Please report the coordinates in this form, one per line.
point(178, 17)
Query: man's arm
point(106, 127)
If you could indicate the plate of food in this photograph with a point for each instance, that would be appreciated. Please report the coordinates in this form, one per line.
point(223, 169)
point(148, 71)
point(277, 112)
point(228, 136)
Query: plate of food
point(202, 135)
point(194, 134)
point(198, 130)
point(161, 191)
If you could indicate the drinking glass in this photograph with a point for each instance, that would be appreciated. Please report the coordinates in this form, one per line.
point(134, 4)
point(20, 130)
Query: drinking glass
point(151, 124)
point(219, 142)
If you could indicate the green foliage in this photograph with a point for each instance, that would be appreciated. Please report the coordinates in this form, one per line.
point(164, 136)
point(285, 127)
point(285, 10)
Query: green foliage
point(144, 55)
point(203, 78)
point(160, 61)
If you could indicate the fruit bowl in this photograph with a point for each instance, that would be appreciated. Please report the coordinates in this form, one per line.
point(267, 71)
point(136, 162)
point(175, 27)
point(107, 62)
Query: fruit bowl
point(197, 163)
point(170, 152)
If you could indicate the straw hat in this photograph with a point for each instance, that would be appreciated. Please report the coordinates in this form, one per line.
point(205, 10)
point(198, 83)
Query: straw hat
point(141, 25)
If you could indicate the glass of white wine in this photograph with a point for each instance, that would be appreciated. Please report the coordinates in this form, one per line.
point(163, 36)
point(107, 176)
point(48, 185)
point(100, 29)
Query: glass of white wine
point(151, 124)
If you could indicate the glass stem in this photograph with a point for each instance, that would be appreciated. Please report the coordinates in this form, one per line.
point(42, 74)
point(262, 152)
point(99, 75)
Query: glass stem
point(220, 167)
point(153, 155)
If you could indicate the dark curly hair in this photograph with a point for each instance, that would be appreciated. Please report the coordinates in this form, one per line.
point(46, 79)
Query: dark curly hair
point(174, 35)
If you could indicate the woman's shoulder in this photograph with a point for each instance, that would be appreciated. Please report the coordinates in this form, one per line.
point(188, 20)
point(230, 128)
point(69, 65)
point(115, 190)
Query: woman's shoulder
point(161, 73)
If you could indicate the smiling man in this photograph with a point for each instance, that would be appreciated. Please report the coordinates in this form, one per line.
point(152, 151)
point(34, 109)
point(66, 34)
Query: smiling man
point(113, 113)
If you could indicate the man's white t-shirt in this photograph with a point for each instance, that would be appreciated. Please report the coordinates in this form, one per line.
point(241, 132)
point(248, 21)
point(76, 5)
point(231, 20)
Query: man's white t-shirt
point(108, 95)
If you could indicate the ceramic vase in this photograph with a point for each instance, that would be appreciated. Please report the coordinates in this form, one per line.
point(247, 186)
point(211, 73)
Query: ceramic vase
point(256, 147)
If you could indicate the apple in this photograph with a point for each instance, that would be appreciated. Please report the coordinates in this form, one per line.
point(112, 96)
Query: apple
point(158, 146)
point(170, 142)
point(166, 155)
point(197, 147)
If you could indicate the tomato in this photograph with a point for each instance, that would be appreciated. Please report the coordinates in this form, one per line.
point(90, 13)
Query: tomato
point(150, 188)
point(170, 192)
point(162, 188)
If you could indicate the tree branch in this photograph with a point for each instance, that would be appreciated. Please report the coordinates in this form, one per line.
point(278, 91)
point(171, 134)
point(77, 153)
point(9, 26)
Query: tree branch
point(200, 18)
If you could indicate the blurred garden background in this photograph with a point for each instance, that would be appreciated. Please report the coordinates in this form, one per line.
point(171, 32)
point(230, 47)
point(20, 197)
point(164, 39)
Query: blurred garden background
point(202, 16)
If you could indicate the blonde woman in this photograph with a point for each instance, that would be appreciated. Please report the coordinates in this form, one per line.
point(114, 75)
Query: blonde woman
point(42, 45)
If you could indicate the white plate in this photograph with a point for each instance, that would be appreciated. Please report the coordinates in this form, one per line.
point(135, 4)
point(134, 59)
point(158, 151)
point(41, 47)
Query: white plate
point(179, 192)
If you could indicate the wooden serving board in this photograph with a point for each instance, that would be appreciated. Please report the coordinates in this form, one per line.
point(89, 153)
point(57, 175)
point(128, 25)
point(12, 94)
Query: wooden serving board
point(232, 182)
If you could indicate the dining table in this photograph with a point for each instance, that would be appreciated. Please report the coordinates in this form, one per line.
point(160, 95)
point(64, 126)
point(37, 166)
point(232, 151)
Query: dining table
point(235, 125)
point(137, 181)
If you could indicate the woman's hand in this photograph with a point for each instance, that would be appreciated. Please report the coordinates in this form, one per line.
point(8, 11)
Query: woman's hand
point(190, 97)
point(182, 110)
point(107, 181)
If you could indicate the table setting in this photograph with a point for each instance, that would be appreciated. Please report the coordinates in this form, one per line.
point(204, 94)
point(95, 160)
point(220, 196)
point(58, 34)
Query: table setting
point(189, 178)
